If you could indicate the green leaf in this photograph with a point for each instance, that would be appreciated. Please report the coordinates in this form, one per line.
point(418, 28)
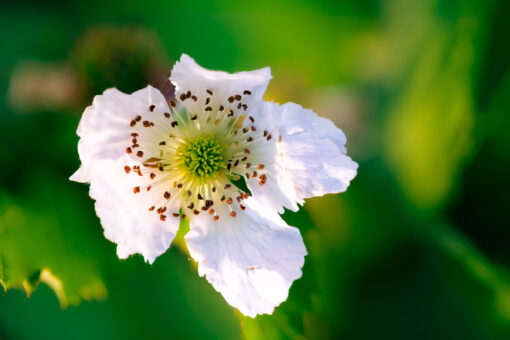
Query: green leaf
point(429, 133)
point(51, 237)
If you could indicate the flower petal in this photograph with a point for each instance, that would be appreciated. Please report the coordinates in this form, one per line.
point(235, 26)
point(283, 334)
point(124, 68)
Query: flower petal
point(105, 130)
point(251, 260)
point(125, 217)
point(307, 158)
point(218, 86)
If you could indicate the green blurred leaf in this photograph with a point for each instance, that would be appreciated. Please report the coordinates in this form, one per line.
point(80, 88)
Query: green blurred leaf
point(49, 239)
point(429, 131)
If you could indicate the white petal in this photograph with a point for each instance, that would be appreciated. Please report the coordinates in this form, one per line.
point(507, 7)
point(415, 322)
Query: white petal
point(104, 126)
point(251, 259)
point(125, 217)
point(307, 158)
point(187, 75)
point(105, 133)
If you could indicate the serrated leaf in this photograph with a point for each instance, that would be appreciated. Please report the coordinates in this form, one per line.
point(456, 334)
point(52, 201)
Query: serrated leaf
point(49, 238)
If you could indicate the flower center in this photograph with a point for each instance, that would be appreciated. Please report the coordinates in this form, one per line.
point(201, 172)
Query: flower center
point(191, 161)
point(202, 158)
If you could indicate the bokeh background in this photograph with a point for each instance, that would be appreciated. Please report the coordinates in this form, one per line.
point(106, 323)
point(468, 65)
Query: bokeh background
point(417, 248)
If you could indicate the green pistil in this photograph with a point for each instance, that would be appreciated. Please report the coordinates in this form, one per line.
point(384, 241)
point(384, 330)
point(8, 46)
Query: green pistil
point(202, 157)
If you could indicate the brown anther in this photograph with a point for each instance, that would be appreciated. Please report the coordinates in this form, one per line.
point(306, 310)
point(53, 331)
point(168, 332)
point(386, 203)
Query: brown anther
point(134, 135)
point(236, 163)
point(221, 108)
point(245, 107)
point(251, 119)
point(239, 106)
point(152, 208)
point(189, 193)
point(129, 150)
point(231, 99)
point(227, 186)
point(196, 212)
point(136, 190)
point(127, 169)
point(207, 100)
point(151, 108)
point(166, 195)
point(263, 179)
point(172, 103)
point(162, 217)
point(242, 207)
point(233, 214)
point(222, 198)
point(208, 108)
point(138, 118)
point(247, 175)
point(183, 97)
point(191, 205)
point(229, 200)
point(166, 114)
point(211, 211)
point(174, 123)
point(237, 97)
point(194, 117)
point(179, 185)
point(245, 195)
point(134, 146)
point(204, 208)
point(152, 175)
point(139, 153)
point(255, 174)
point(215, 218)
point(209, 203)
point(246, 151)
point(250, 139)
point(253, 128)
point(213, 189)
point(200, 197)
point(133, 123)
point(268, 138)
point(162, 143)
point(261, 166)
point(210, 92)
point(244, 158)
point(245, 130)
point(175, 214)
point(194, 98)
point(265, 133)
point(248, 165)
point(146, 123)
point(149, 188)
point(247, 92)
point(188, 94)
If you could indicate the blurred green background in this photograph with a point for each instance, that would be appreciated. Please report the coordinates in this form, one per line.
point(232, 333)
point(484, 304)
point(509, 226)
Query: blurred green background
point(417, 248)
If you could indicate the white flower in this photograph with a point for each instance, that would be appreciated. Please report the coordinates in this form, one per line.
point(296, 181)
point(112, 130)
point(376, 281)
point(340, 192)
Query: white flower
point(150, 164)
